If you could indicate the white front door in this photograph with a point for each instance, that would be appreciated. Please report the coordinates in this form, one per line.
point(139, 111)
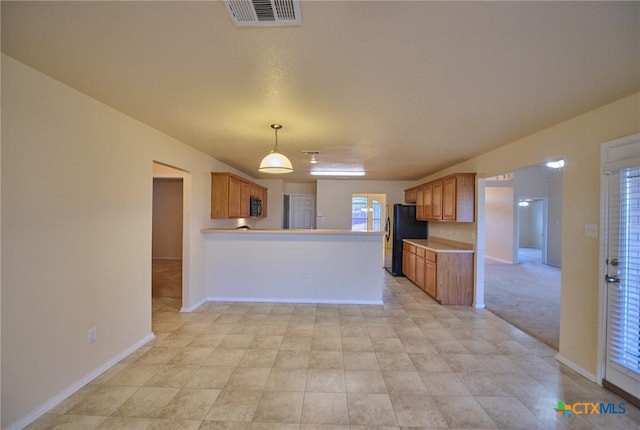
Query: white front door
point(622, 268)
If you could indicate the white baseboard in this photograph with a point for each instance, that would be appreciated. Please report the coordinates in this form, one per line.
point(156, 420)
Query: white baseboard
point(581, 370)
point(55, 400)
point(498, 260)
point(193, 307)
point(306, 301)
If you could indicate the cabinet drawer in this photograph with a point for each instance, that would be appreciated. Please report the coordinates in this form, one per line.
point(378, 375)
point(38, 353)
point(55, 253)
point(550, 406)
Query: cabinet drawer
point(409, 248)
point(420, 252)
point(431, 256)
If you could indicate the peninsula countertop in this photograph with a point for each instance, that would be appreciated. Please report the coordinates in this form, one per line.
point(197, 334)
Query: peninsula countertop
point(289, 231)
point(439, 245)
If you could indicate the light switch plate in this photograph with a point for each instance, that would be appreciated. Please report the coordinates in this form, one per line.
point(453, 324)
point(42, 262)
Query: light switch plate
point(591, 230)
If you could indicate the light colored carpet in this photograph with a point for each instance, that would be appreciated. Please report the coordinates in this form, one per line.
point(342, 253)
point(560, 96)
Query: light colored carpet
point(527, 295)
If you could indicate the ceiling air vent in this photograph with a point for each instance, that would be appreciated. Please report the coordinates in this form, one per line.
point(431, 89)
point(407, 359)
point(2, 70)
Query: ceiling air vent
point(264, 13)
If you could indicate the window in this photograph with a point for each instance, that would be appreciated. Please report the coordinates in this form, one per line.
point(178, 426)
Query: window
point(366, 212)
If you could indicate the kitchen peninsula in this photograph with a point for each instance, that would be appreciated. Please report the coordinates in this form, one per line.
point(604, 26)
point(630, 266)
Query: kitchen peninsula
point(296, 266)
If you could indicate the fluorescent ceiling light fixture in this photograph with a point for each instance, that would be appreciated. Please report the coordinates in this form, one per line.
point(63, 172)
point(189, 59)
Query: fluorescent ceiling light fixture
point(337, 173)
point(275, 162)
point(559, 164)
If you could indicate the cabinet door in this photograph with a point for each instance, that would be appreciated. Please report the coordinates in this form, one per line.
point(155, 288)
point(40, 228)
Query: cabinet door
point(245, 202)
point(430, 278)
point(420, 271)
point(235, 186)
point(420, 204)
point(449, 198)
point(410, 195)
point(427, 201)
point(436, 203)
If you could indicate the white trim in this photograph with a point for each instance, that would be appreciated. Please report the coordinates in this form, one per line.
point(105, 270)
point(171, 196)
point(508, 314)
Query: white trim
point(55, 400)
point(301, 301)
point(581, 370)
point(499, 260)
point(193, 307)
point(479, 254)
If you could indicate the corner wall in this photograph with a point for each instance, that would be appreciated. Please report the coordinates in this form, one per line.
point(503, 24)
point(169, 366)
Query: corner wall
point(578, 142)
point(77, 183)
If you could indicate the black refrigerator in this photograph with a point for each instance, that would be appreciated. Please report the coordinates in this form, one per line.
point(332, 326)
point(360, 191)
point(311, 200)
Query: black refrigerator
point(400, 224)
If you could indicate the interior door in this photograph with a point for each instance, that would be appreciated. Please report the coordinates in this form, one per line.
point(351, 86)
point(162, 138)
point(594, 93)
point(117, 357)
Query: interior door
point(622, 280)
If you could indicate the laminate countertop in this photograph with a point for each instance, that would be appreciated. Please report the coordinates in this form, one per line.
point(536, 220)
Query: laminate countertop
point(290, 231)
point(440, 246)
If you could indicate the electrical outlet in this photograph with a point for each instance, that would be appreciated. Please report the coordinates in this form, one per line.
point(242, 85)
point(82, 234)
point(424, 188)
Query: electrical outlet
point(306, 279)
point(92, 335)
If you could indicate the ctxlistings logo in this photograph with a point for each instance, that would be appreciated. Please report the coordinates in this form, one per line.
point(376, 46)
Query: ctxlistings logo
point(589, 408)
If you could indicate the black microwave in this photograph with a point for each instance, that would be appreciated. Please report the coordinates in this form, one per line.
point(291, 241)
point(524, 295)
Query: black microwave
point(255, 206)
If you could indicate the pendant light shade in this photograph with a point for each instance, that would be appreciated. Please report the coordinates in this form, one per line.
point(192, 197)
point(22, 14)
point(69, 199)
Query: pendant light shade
point(275, 162)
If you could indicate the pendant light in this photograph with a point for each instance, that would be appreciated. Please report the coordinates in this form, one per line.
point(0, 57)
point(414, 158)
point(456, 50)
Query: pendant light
point(275, 162)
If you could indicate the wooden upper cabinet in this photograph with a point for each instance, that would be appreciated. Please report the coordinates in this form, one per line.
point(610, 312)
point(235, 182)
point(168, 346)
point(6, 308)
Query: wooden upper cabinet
point(411, 195)
point(230, 196)
point(419, 204)
point(451, 198)
point(436, 203)
point(427, 200)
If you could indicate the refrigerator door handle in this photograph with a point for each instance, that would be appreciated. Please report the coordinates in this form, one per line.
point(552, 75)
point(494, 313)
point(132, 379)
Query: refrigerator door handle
point(387, 229)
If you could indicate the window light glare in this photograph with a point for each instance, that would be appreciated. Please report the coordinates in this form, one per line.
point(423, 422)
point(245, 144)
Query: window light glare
point(559, 164)
point(524, 204)
point(337, 173)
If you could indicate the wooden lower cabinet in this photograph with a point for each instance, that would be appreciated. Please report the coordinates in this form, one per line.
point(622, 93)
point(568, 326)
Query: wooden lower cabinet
point(445, 276)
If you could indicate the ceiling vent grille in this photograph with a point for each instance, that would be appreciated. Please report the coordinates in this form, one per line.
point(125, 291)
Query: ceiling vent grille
point(264, 13)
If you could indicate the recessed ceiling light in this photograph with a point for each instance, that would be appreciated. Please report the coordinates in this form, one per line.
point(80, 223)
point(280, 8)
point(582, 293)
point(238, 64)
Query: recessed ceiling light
point(337, 173)
point(559, 164)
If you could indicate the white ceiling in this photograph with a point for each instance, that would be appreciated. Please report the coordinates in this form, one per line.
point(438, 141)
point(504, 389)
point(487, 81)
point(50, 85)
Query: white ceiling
point(402, 89)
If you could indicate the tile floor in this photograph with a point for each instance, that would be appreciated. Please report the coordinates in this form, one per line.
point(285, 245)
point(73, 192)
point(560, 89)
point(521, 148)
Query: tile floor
point(408, 364)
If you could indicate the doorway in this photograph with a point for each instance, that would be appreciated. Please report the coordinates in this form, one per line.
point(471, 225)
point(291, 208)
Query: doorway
point(166, 248)
point(367, 211)
point(522, 274)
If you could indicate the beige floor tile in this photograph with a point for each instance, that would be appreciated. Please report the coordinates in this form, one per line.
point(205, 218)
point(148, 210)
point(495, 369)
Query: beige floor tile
point(463, 412)
point(304, 329)
point(325, 408)
point(174, 425)
point(394, 361)
point(147, 402)
point(463, 363)
point(296, 343)
point(508, 412)
point(388, 344)
point(279, 407)
point(325, 381)
point(370, 410)
point(191, 356)
point(206, 340)
point(326, 360)
point(417, 410)
point(210, 377)
point(236, 341)
point(292, 359)
point(225, 357)
point(326, 331)
point(274, 426)
point(326, 343)
point(190, 404)
point(266, 342)
point(172, 376)
point(365, 381)
point(354, 330)
point(247, 379)
point(159, 355)
point(399, 381)
point(258, 358)
point(481, 384)
point(124, 423)
point(234, 406)
point(444, 384)
point(286, 380)
point(415, 345)
point(103, 401)
point(134, 375)
point(429, 362)
point(357, 343)
point(381, 332)
point(66, 422)
point(360, 360)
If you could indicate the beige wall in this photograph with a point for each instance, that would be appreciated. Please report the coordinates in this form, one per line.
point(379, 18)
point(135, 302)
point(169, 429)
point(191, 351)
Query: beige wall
point(499, 219)
point(76, 252)
point(333, 198)
point(300, 188)
point(578, 142)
